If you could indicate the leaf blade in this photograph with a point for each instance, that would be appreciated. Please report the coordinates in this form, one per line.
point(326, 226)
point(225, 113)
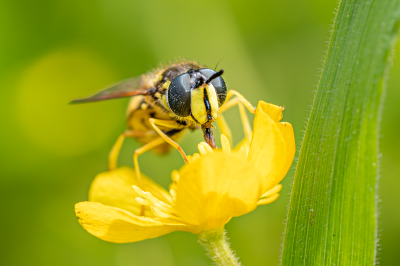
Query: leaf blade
point(332, 212)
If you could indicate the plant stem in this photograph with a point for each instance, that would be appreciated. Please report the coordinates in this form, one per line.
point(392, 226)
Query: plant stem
point(216, 244)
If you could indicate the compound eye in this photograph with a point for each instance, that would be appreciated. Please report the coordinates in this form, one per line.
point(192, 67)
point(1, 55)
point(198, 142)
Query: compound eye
point(179, 96)
point(218, 83)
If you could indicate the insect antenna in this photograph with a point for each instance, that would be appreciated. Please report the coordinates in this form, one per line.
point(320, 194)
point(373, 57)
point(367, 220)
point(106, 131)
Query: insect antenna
point(217, 64)
point(216, 75)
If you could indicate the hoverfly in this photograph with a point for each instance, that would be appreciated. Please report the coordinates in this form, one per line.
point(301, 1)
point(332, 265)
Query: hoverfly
point(168, 100)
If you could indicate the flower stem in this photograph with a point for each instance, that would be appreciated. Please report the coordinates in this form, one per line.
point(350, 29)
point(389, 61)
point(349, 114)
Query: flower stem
point(216, 244)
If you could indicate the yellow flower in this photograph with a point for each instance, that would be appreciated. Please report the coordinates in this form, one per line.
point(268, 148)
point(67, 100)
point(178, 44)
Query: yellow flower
point(205, 194)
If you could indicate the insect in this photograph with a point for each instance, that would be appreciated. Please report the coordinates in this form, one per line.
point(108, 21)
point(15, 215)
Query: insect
point(168, 100)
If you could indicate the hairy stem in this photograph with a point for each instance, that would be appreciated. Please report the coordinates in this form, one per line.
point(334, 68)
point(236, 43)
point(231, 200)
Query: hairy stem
point(216, 244)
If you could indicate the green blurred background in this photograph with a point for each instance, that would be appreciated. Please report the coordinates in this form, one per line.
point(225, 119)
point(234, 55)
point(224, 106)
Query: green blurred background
point(55, 51)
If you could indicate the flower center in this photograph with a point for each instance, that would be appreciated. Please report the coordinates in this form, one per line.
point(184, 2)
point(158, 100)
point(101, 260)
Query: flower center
point(158, 207)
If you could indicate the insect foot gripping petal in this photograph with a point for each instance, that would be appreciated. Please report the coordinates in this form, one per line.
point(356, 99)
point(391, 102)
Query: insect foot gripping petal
point(208, 135)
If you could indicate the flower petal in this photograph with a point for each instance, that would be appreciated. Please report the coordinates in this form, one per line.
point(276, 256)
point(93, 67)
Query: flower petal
point(216, 187)
point(272, 147)
point(119, 226)
point(114, 188)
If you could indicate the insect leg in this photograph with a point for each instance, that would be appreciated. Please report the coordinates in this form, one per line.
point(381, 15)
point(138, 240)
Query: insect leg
point(243, 115)
point(245, 122)
point(152, 144)
point(246, 103)
point(224, 127)
point(113, 155)
point(228, 105)
point(170, 124)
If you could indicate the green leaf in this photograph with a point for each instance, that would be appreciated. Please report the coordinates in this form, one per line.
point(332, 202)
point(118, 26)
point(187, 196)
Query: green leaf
point(332, 216)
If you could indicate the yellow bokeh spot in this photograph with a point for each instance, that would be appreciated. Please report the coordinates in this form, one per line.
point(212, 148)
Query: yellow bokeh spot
point(47, 85)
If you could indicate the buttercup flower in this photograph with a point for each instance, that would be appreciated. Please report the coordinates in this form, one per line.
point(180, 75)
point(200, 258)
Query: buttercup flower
point(205, 194)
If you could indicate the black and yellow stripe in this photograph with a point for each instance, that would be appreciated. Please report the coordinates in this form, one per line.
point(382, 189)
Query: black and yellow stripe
point(204, 104)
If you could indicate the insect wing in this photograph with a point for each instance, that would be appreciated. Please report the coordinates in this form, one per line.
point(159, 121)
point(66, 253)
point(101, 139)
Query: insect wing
point(126, 88)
